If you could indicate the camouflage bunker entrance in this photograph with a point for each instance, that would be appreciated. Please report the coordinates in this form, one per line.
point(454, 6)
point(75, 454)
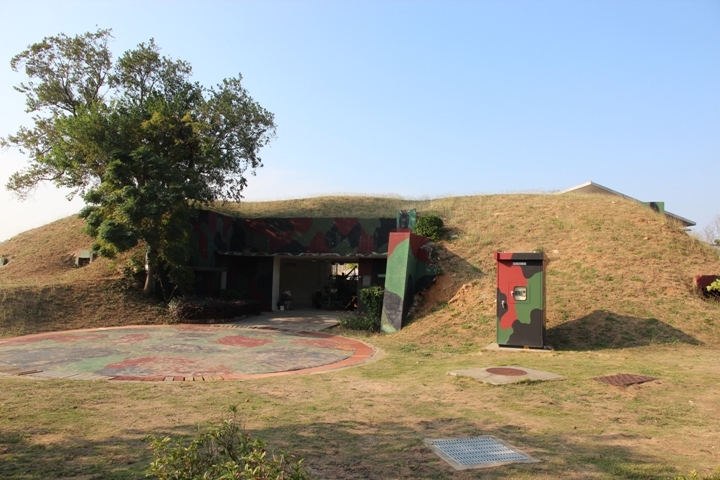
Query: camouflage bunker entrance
point(263, 258)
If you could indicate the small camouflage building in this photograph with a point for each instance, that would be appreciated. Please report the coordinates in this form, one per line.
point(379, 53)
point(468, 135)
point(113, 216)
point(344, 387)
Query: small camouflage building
point(521, 299)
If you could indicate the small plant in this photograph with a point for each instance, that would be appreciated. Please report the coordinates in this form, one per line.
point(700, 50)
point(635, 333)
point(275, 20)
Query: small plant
point(713, 290)
point(694, 475)
point(182, 278)
point(372, 300)
point(193, 310)
point(133, 265)
point(430, 226)
point(222, 452)
point(360, 321)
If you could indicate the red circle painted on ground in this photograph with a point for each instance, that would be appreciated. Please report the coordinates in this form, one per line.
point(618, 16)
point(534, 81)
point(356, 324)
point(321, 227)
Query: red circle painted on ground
point(242, 341)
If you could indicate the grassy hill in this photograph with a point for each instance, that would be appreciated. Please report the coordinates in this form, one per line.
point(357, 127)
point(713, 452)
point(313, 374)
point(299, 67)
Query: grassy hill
point(42, 290)
point(619, 275)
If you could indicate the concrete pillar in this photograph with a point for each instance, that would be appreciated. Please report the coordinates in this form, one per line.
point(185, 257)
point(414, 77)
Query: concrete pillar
point(276, 283)
point(398, 282)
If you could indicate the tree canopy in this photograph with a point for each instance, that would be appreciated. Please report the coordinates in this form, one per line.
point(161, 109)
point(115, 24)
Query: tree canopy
point(711, 232)
point(137, 139)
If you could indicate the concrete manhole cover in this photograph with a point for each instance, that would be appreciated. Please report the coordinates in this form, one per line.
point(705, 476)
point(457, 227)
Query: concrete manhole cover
point(503, 375)
point(510, 372)
point(477, 452)
point(624, 379)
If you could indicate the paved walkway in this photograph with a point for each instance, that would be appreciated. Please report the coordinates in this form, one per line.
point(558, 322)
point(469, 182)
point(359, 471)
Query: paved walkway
point(311, 320)
point(284, 343)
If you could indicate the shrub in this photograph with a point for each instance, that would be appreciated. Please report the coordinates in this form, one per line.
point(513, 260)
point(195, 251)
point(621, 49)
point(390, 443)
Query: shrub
point(360, 321)
point(193, 310)
point(222, 452)
point(430, 226)
point(182, 277)
point(372, 298)
point(714, 287)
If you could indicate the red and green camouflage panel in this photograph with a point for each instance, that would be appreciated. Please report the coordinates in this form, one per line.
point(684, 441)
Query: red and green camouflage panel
point(215, 233)
point(521, 299)
point(406, 220)
point(409, 270)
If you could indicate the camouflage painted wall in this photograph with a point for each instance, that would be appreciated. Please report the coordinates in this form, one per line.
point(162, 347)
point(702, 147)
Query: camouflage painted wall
point(521, 299)
point(406, 220)
point(250, 277)
point(214, 232)
point(409, 270)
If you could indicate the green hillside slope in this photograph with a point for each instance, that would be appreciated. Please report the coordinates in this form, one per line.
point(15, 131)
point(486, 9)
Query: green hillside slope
point(619, 274)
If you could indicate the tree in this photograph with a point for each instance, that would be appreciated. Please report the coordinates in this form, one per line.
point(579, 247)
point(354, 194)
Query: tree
point(138, 140)
point(711, 232)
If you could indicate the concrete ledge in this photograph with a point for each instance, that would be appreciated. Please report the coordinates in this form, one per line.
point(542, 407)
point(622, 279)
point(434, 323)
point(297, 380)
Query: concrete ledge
point(484, 376)
point(494, 347)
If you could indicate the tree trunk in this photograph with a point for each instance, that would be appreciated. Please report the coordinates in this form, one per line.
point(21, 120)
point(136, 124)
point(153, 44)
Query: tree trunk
point(150, 260)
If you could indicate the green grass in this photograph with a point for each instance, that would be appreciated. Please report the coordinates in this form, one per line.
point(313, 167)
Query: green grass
point(335, 206)
point(620, 300)
point(369, 421)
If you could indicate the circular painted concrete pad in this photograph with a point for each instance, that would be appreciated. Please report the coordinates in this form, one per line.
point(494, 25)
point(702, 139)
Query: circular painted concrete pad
point(176, 353)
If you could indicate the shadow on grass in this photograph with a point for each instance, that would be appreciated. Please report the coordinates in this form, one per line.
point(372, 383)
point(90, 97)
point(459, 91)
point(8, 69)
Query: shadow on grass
point(362, 450)
point(27, 456)
point(37, 309)
point(341, 450)
point(602, 329)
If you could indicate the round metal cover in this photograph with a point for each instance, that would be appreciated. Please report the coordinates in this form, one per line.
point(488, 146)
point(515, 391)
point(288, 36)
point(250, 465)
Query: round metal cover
point(507, 371)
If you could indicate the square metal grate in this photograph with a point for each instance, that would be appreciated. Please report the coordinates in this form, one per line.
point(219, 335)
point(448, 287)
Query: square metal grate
point(624, 379)
point(477, 452)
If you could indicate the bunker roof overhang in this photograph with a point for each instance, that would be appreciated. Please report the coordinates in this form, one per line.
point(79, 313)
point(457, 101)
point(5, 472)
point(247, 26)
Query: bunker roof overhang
point(596, 188)
point(336, 257)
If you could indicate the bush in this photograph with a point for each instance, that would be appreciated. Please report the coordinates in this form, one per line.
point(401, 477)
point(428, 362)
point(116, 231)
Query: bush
point(222, 452)
point(430, 226)
point(360, 321)
point(193, 310)
point(713, 290)
point(182, 277)
point(372, 298)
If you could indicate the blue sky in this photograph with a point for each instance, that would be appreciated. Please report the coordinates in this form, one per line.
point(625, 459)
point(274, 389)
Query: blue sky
point(430, 98)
